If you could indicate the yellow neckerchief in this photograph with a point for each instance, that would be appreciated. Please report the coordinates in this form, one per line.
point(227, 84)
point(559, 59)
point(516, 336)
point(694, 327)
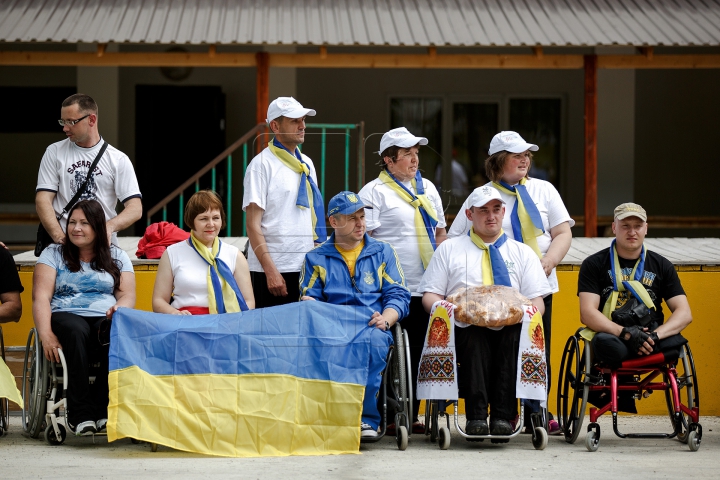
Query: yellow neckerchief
point(493, 273)
point(426, 247)
point(634, 287)
point(228, 294)
point(297, 166)
point(351, 256)
point(529, 231)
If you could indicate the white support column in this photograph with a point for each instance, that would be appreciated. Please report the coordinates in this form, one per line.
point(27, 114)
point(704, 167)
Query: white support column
point(616, 133)
point(102, 84)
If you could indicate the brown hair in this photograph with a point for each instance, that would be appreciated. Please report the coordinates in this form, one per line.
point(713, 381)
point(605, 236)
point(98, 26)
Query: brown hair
point(103, 261)
point(201, 202)
point(392, 152)
point(84, 102)
point(495, 165)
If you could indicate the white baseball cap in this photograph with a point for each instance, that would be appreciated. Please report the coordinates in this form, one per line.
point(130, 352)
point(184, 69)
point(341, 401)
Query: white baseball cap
point(400, 137)
point(510, 142)
point(482, 195)
point(287, 107)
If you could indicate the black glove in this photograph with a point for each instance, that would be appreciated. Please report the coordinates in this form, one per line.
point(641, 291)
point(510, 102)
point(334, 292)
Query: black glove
point(637, 337)
point(656, 342)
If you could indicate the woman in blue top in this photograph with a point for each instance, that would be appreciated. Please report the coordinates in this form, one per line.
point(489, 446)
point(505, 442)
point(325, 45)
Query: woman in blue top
point(77, 285)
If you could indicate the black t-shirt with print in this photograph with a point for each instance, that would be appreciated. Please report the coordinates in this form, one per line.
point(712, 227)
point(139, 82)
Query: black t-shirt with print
point(9, 278)
point(659, 278)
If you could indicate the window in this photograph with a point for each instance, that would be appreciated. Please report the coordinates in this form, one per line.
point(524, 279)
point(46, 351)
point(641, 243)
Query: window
point(538, 120)
point(33, 109)
point(423, 117)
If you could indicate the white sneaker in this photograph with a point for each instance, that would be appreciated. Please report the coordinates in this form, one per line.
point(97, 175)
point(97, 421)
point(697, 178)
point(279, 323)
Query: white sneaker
point(367, 431)
point(85, 428)
point(101, 425)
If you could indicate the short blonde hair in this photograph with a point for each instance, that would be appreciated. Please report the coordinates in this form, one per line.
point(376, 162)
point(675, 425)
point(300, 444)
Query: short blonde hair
point(201, 202)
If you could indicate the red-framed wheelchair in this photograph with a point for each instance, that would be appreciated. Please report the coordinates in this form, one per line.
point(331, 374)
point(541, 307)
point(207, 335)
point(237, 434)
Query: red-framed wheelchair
point(580, 378)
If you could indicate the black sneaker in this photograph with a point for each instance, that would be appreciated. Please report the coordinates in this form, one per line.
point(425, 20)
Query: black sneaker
point(500, 427)
point(476, 427)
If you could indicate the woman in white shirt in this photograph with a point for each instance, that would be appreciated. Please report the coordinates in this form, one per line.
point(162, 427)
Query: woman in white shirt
point(408, 214)
point(203, 275)
point(538, 219)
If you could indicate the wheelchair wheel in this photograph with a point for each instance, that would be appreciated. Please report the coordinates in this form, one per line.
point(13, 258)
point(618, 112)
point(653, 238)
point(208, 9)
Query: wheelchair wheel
point(4, 402)
point(687, 390)
point(34, 386)
point(402, 438)
point(444, 438)
point(53, 439)
point(399, 380)
point(571, 392)
point(540, 438)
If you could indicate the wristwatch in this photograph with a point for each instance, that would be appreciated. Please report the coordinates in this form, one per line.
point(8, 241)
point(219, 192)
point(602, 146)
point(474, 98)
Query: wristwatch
point(387, 325)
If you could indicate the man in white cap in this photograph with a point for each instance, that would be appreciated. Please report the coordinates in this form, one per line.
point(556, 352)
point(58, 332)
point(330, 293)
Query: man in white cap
point(408, 214)
point(285, 210)
point(353, 269)
point(487, 358)
point(627, 272)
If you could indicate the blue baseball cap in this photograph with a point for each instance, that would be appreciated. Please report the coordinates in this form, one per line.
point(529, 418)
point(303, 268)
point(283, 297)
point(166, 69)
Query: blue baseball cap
point(345, 203)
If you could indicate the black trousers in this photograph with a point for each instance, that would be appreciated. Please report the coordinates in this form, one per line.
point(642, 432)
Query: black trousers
point(612, 351)
point(416, 324)
point(487, 370)
point(263, 297)
point(79, 339)
point(547, 324)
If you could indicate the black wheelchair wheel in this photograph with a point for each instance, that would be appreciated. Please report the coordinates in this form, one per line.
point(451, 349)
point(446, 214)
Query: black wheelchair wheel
point(687, 390)
point(34, 386)
point(4, 402)
point(399, 380)
point(571, 391)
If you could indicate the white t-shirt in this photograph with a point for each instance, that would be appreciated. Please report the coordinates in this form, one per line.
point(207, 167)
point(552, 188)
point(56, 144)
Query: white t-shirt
point(65, 165)
point(457, 263)
point(87, 292)
point(190, 288)
point(392, 220)
point(549, 204)
point(287, 228)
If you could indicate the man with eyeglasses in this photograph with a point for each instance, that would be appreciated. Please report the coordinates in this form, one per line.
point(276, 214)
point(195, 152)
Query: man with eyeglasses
point(66, 164)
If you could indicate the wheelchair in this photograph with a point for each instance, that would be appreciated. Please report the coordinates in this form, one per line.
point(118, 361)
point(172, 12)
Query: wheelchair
point(396, 397)
point(4, 402)
point(44, 385)
point(580, 376)
point(439, 430)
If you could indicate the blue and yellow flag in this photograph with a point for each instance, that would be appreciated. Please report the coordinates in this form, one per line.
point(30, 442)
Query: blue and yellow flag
point(286, 380)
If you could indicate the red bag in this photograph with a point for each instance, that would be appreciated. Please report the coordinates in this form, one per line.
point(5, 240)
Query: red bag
point(158, 236)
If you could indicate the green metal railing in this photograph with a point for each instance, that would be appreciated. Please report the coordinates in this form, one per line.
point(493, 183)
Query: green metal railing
point(226, 155)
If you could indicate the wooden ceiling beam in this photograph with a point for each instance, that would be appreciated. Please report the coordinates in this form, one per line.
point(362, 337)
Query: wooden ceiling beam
point(323, 59)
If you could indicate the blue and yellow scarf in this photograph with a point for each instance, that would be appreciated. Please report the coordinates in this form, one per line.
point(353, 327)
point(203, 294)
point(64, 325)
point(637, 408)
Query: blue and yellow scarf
point(224, 295)
point(425, 216)
point(633, 284)
point(309, 195)
point(494, 270)
point(525, 218)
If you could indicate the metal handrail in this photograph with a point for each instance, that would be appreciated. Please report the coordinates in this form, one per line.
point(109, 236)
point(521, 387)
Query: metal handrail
point(222, 156)
point(179, 192)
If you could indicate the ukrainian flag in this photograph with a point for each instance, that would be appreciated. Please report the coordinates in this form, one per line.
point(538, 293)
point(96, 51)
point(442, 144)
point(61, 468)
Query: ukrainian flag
point(286, 380)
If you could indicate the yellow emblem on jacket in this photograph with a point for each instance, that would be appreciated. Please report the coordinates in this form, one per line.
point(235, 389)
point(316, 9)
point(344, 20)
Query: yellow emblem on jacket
point(369, 279)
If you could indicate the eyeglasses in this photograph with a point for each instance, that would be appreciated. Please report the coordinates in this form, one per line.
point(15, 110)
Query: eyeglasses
point(70, 123)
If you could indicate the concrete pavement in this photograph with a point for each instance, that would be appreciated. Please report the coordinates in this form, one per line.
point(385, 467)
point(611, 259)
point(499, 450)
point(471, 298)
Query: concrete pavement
point(23, 457)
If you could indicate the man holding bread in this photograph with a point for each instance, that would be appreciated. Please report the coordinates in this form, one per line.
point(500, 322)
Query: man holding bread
point(487, 357)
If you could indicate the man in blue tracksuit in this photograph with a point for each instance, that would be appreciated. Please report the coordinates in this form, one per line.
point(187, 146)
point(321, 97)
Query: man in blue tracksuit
point(352, 268)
